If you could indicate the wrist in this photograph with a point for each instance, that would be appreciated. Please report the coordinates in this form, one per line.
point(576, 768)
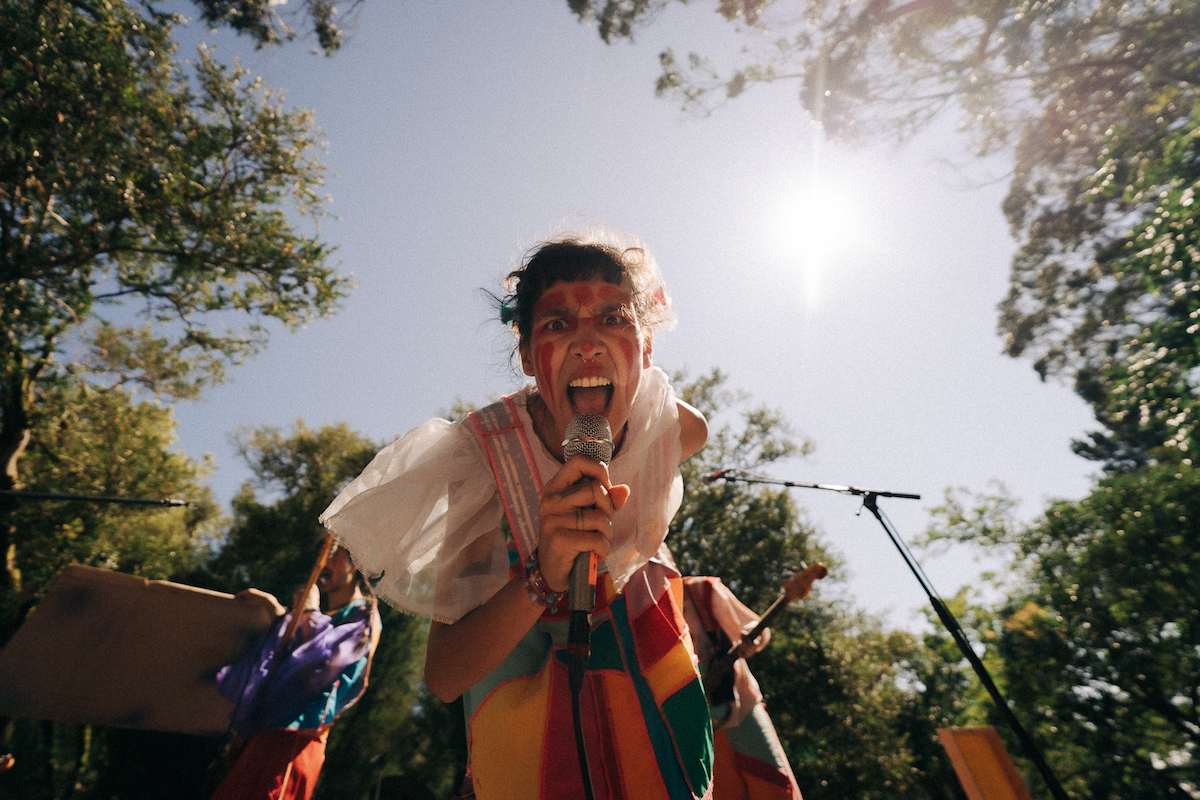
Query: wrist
point(537, 587)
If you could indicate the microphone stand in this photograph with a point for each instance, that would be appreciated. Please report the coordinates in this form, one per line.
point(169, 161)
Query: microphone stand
point(93, 498)
point(870, 498)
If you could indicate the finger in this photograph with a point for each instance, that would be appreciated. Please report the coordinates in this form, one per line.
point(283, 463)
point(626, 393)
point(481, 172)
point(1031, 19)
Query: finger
point(580, 488)
point(560, 546)
point(581, 529)
point(610, 501)
point(573, 470)
point(618, 495)
point(584, 520)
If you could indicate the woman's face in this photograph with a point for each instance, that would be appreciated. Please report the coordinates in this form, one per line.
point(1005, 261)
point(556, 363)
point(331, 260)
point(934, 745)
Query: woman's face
point(338, 571)
point(587, 352)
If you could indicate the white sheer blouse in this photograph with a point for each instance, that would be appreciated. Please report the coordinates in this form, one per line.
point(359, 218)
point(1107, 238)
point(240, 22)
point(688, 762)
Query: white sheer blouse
point(425, 513)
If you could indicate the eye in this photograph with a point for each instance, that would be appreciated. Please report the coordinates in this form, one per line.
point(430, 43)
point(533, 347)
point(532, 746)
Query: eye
point(555, 325)
point(616, 320)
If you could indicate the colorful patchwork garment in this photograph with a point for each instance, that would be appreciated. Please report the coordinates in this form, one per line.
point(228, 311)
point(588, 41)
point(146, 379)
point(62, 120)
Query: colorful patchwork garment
point(447, 515)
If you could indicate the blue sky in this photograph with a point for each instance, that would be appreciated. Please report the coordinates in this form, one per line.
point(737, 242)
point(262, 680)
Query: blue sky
point(853, 290)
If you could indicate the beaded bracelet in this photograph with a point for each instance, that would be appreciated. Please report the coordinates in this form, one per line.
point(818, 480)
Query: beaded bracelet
point(535, 583)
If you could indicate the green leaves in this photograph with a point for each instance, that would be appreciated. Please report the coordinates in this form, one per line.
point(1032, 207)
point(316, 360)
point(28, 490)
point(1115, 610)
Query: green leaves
point(1140, 313)
point(1099, 643)
point(103, 442)
point(142, 190)
point(268, 25)
point(273, 541)
point(140, 216)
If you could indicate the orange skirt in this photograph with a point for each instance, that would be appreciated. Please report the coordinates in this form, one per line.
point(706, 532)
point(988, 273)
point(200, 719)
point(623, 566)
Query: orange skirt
point(278, 764)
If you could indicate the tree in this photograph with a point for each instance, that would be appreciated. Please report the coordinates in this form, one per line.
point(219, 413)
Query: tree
point(103, 442)
point(1101, 636)
point(754, 540)
point(855, 705)
point(89, 440)
point(273, 543)
point(1136, 339)
point(1089, 98)
point(264, 23)
point(139, 217)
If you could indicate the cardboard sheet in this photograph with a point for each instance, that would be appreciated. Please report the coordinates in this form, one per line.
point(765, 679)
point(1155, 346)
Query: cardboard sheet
point(114, 649)
point(983, 765)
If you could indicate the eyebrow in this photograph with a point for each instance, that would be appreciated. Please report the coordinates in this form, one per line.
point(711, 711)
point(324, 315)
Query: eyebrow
point(565, 311)
point(557, 311)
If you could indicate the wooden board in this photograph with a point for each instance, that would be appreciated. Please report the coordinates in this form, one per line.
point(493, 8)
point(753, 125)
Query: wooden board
point(983, 765)
point(113, 649)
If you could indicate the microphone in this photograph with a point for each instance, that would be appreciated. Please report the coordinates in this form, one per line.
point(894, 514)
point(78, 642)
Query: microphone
point(588, 435)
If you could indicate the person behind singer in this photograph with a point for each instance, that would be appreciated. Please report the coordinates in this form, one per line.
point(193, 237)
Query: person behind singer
point(285, 707)
point(750, 763)
point(476, 525)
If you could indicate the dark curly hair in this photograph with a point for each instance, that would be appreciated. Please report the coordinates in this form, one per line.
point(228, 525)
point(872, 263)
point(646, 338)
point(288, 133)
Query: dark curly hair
point(615, 258)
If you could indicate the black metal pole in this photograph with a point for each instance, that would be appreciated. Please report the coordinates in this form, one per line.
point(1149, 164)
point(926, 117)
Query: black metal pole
point(948, 619)
point(960, 638)
point(91, 498)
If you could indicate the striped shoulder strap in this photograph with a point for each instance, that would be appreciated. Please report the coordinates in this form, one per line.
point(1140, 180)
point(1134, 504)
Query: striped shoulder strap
point(504, 441)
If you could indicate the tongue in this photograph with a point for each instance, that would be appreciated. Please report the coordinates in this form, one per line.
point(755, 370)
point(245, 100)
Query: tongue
point(593, 400)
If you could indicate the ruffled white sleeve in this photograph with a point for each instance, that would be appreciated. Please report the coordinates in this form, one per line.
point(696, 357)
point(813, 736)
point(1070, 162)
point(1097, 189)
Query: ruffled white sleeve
point(425, 516)
point(648, 461)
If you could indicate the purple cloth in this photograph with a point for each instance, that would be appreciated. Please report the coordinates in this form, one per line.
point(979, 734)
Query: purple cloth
point(317, 654)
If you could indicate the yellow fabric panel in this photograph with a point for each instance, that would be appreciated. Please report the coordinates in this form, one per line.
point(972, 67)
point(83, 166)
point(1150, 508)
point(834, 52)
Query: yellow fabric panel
point(515, 761)
point(671, 673)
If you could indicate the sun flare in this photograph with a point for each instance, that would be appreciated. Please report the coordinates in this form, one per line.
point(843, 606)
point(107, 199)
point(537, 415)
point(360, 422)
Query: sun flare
point(811, 228)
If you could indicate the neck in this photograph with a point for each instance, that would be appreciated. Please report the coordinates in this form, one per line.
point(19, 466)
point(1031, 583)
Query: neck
point(552, 438)
point(544, 427)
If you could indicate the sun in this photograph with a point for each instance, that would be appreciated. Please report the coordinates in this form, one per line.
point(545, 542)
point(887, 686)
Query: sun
point(811, 227)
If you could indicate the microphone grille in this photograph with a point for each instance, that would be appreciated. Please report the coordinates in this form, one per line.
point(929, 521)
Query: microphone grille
point(589, 435)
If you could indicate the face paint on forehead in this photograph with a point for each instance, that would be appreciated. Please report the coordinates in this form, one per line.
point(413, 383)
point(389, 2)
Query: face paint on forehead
point(582, 296)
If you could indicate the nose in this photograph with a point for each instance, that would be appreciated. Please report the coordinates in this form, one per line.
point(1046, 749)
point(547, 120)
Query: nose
point(588, 343)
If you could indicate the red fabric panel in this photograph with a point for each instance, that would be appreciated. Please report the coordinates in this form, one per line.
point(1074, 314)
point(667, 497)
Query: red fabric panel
point(278, 764)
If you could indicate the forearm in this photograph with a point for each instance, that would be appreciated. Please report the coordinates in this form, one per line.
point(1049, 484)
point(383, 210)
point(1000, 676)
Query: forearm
point(461, 654)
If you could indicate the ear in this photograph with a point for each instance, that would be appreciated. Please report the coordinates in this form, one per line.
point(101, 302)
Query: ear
point(647, 347)
point(526, 359)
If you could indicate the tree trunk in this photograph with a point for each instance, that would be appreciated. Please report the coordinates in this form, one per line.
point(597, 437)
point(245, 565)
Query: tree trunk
point(14, 437)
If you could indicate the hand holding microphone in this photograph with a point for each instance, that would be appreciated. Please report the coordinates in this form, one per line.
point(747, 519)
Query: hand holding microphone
point(587, 435)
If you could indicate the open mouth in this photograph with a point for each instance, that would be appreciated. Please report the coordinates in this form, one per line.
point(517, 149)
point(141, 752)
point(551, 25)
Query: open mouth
point(590, 395)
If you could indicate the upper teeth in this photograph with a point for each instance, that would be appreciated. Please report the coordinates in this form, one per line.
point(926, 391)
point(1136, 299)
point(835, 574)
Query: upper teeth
point(588, 383)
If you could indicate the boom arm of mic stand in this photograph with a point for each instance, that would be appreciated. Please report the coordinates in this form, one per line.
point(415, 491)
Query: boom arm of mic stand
point(747, 477)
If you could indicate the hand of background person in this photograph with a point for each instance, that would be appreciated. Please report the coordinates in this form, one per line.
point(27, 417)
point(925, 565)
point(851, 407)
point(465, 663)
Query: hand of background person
point(259, 597)
point(311, 601)
point(748, 647)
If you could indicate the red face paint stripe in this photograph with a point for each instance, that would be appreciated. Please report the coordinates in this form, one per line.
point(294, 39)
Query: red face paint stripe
point(544, 358)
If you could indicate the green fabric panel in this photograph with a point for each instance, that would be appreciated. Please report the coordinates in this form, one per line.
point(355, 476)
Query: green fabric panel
point(687, 713)
point(605, 652)
point(750, 738)
point(688, 735)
